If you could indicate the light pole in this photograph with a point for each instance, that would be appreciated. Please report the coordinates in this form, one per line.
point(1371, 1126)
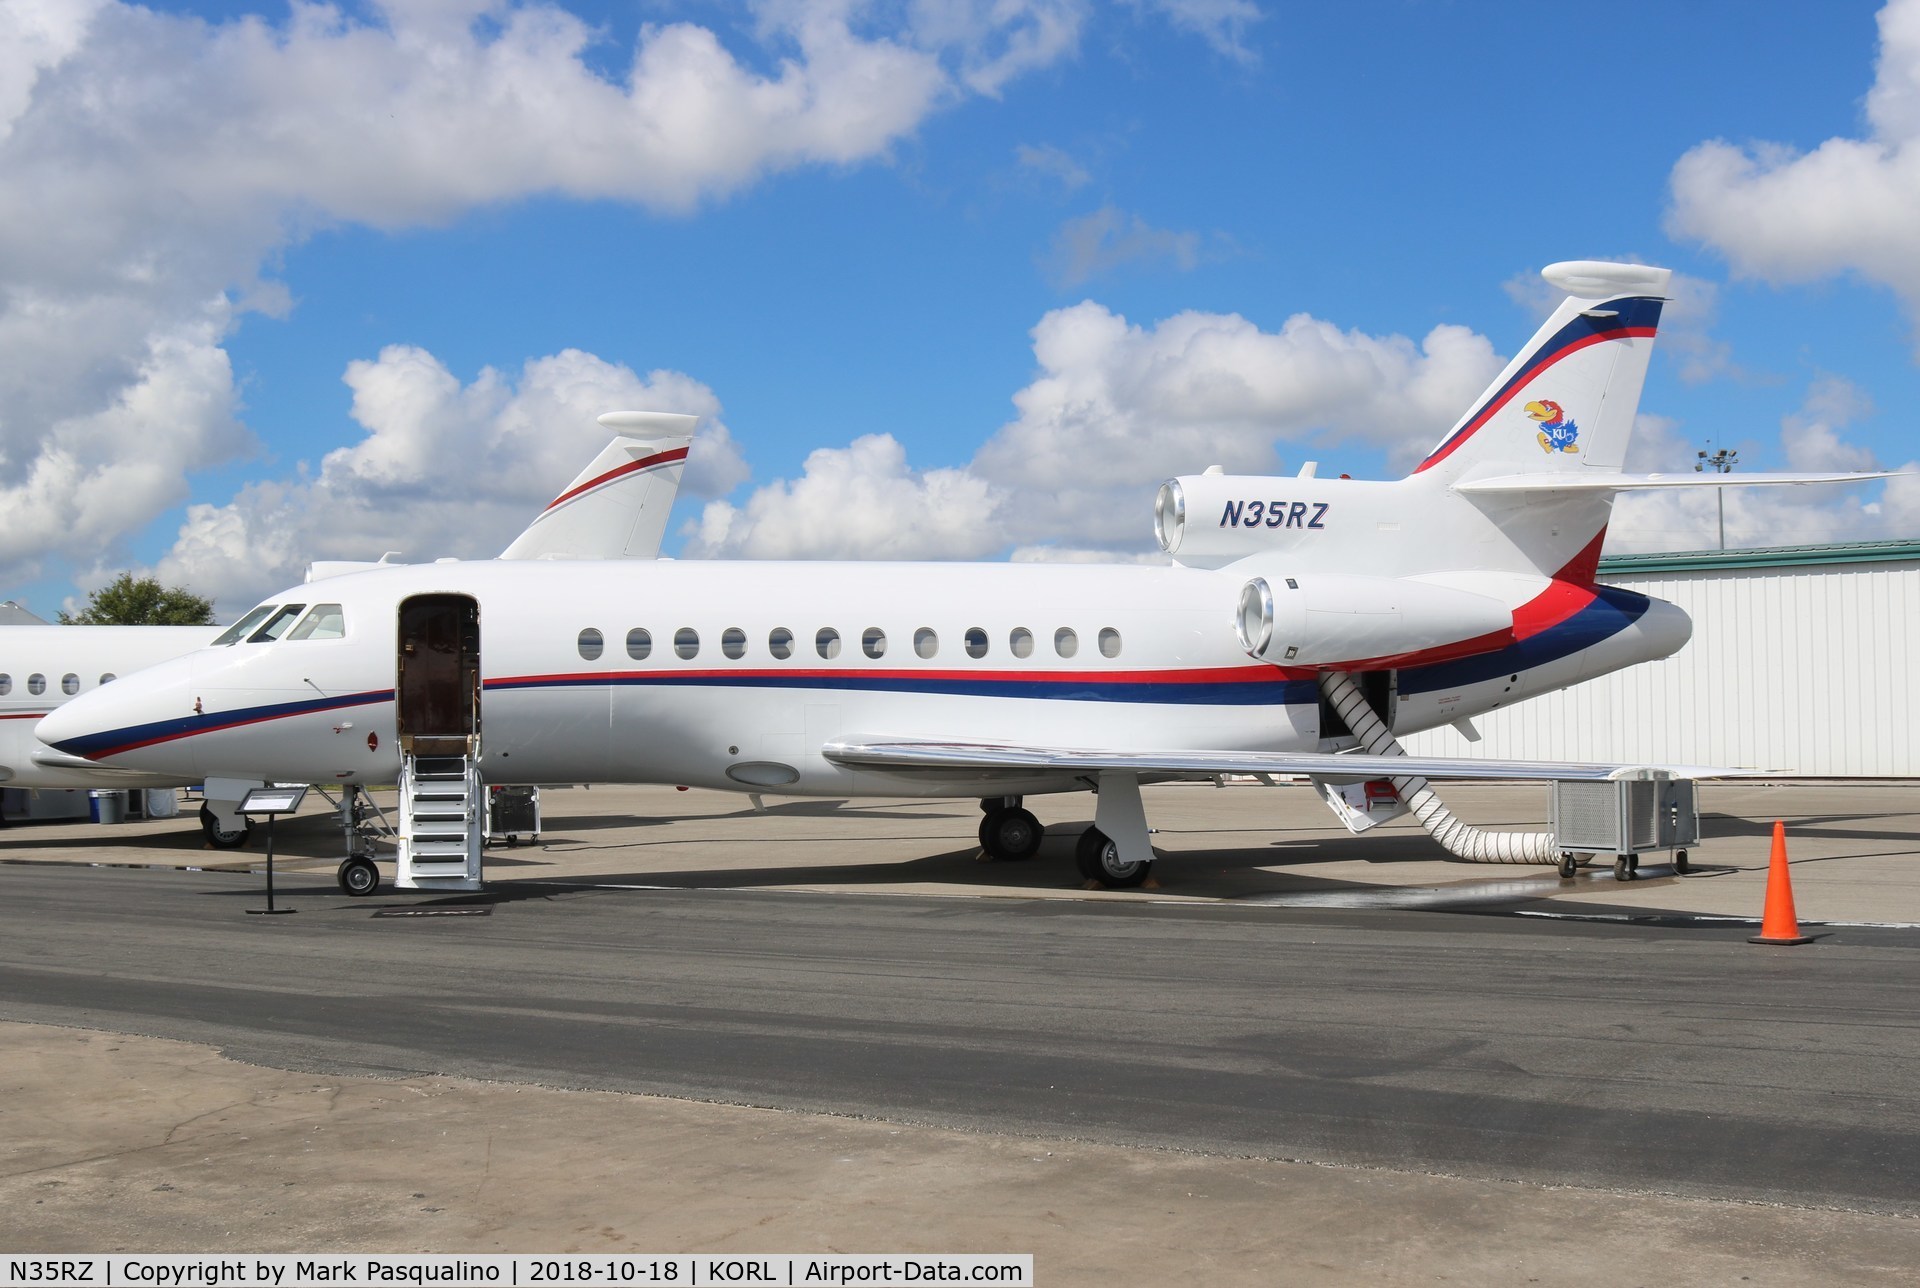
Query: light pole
point(1722, 463)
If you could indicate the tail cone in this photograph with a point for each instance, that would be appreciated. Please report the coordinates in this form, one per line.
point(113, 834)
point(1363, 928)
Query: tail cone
point(1778, 925)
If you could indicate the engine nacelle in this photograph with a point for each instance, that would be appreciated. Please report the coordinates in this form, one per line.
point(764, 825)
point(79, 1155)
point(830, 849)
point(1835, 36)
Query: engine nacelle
point(1206, 520)
point(1333, 619)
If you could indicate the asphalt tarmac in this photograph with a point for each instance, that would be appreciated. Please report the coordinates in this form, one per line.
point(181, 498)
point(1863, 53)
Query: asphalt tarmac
point(1368, 1062)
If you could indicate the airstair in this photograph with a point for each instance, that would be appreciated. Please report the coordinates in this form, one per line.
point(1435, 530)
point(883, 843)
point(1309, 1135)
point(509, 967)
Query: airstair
point(442, 818)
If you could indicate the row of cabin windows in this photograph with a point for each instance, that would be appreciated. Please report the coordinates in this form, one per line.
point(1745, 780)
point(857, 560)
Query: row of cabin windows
point(37, 683)
point(781, 642)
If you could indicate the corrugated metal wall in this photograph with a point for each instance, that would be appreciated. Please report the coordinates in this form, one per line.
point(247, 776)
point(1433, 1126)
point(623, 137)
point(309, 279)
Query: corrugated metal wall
point(1807, 668)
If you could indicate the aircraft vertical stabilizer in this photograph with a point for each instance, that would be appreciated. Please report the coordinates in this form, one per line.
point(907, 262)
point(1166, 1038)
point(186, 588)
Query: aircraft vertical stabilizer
point(617, 507)
point(1566, 403)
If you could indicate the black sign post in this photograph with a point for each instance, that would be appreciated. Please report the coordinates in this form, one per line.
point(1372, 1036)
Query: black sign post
point(272, 801)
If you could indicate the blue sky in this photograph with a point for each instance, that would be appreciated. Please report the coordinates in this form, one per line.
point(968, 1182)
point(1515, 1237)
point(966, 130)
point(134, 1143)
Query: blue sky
point(947, 278)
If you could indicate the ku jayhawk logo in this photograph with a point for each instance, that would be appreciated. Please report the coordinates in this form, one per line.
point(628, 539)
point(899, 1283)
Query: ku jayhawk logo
point(1557, 433)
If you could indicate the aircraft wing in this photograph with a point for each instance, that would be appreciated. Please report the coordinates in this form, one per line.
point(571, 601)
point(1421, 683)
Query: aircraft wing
point(881, 753)
point(1606, 481)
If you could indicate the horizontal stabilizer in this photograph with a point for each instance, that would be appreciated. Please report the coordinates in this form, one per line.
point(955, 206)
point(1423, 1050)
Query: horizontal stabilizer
point(1606, 481)
point(934, 756)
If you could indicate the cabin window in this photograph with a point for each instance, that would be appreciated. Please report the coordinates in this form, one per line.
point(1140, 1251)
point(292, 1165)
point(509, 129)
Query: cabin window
point(325, 622)
point(686, 643)
point(69, 684)
point(925, 642)
point(36, 684)
point(827, 643)
point(276, 626)
point(1021, 642)
point(106, 677)
point(780, 643)
point(639, 644)
point(733, 642)
point(1065, 642)
point(592, 644)
point(873, 642)
point(1109, 642)
point(240, 629)
point(976, 642)
point(6, 684)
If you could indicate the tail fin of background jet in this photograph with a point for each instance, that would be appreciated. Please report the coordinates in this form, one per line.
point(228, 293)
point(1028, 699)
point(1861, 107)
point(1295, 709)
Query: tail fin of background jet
point(1566, 403)
point(617, 507)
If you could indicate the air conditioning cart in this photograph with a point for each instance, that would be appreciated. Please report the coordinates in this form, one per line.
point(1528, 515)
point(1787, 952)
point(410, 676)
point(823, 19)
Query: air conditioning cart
point(1625, 817)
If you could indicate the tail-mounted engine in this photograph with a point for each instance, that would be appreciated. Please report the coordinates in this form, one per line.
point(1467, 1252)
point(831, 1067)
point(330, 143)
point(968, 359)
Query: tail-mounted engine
point(1332, 619)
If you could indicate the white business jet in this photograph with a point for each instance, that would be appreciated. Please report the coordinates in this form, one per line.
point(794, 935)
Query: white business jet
point(615, 508)
point(1305, 622)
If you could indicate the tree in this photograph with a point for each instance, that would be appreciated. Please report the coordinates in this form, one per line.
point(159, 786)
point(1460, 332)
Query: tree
point(142, 601)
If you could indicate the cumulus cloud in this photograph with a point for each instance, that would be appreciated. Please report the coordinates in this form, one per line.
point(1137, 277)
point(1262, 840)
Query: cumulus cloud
point(516, 440)
point(1114, 409)
point(858, 502)
point(1812, 438)
point(153, 164)
point(1812, 435)
point(1786, 216)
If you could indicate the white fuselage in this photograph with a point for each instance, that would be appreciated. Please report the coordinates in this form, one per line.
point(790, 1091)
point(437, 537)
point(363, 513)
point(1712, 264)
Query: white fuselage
point(1120, 656)
point(44, 667)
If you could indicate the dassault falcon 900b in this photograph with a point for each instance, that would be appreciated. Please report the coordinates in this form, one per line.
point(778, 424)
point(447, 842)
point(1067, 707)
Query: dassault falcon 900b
point(1303, 622)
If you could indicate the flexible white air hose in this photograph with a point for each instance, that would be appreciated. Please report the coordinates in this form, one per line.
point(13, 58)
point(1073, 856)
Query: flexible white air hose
point(1463, 842)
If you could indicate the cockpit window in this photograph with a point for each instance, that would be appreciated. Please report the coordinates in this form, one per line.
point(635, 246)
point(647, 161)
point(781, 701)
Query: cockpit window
point(276, 625)
point(323, 622)
point(238, 631)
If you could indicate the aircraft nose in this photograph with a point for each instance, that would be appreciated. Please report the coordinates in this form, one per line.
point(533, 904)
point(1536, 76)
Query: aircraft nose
point(118, 719)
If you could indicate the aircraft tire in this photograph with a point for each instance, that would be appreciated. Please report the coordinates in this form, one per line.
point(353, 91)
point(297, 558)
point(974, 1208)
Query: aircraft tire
point(358, 876)
point(1096, 856)
point(221, 838)
point(1010, 835)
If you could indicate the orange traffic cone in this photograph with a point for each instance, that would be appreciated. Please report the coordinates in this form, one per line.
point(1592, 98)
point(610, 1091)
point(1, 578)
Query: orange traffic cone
point(1778, 925)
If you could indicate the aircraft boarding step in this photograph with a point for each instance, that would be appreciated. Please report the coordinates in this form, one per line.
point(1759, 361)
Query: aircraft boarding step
point(442, 823)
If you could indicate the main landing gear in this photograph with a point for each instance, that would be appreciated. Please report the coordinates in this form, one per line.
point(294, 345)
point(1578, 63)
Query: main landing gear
point(219, 835)
point(1009, 833)
point(1099, 860)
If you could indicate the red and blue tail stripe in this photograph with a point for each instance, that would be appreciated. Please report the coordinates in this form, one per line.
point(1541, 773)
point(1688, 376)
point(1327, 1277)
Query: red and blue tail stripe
point(1637, 317)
